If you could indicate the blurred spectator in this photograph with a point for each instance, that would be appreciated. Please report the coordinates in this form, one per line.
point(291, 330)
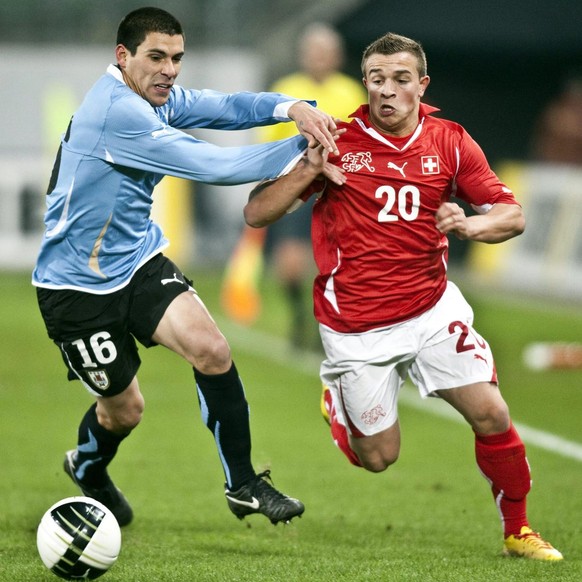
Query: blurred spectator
point(558, 139)
point(558, 134)
point(320, 54)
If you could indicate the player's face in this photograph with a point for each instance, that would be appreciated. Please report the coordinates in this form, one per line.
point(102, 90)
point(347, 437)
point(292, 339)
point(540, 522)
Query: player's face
point(394, 91)
point(151, 72)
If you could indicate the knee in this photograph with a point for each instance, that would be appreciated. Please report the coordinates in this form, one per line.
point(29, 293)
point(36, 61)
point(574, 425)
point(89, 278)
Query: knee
point(377, 463)
point(132, 416)
point(379, 451)
point(493, 418)
point(124, 419)
point(378, 459)
point(215, 357)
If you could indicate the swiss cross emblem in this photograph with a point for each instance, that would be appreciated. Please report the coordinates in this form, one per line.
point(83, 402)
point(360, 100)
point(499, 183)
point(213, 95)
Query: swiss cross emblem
point(430, 164)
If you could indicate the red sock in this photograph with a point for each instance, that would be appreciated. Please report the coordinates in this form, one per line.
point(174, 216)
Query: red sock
point(340, 437)
point(501, 458)
point(339, 432)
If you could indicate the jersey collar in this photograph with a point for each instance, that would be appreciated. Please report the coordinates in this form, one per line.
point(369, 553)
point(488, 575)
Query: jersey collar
point(115, 71)
point(362, 118)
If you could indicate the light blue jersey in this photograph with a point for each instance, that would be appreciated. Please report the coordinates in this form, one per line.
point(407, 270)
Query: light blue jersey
point(116, 149)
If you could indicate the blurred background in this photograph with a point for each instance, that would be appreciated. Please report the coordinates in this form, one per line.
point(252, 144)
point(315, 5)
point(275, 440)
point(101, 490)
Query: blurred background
point(497, 68)
point(510, 72)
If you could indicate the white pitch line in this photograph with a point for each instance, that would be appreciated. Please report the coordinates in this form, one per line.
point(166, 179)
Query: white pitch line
point(277, 349)
point(532, 436)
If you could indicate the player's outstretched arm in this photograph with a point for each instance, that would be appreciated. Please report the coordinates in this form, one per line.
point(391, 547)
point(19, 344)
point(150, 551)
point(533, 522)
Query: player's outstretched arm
point(269, 200)
point(502, 222)
point(314, 125)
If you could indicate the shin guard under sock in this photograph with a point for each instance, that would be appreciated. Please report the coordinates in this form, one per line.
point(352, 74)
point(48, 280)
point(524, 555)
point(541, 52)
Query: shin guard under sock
point(95, 449)
point(225, 412)
point(501, 458)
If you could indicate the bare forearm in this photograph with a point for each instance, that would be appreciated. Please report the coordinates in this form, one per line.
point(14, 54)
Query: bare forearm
point(270, 200)
point(502, 222)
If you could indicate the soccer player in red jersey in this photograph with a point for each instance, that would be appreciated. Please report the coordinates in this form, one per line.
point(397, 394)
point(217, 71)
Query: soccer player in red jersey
point(385, 307)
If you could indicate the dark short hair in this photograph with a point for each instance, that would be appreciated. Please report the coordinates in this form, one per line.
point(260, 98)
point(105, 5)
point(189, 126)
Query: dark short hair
point(138, 24)
point(390, 44)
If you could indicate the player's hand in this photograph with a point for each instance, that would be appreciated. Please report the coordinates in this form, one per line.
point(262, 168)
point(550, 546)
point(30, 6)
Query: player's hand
point(335, 174)
point(317, 158)
point(450, 218)
point(315, 126)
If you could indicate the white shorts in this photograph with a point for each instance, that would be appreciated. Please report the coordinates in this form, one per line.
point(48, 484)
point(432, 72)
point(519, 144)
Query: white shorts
point(437, 350)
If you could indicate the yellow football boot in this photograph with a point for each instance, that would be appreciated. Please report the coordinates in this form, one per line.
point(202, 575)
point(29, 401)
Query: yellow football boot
point(325, 403)
point(529, 544)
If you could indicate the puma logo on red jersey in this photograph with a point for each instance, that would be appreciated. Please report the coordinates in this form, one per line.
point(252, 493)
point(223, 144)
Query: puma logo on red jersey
point(393, 166)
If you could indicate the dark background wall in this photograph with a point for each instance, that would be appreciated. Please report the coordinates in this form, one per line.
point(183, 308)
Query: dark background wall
point(493, 65)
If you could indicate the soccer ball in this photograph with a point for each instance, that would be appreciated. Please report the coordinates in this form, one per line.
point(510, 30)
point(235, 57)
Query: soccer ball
point(78, 538)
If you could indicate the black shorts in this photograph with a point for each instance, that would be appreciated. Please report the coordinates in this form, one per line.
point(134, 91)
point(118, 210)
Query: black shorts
point(96, 333)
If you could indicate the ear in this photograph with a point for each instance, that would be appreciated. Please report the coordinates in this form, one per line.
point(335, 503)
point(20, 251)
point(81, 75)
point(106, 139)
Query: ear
point(121, 54)
point(424, 81)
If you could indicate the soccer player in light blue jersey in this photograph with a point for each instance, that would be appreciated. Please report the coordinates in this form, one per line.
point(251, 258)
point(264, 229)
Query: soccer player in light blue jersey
point(102, 280)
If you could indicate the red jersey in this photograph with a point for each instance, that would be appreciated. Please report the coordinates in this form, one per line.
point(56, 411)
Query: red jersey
point(380, 257)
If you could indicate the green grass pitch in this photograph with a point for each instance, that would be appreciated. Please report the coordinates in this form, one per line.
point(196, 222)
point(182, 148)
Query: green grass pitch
point(431, 517)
